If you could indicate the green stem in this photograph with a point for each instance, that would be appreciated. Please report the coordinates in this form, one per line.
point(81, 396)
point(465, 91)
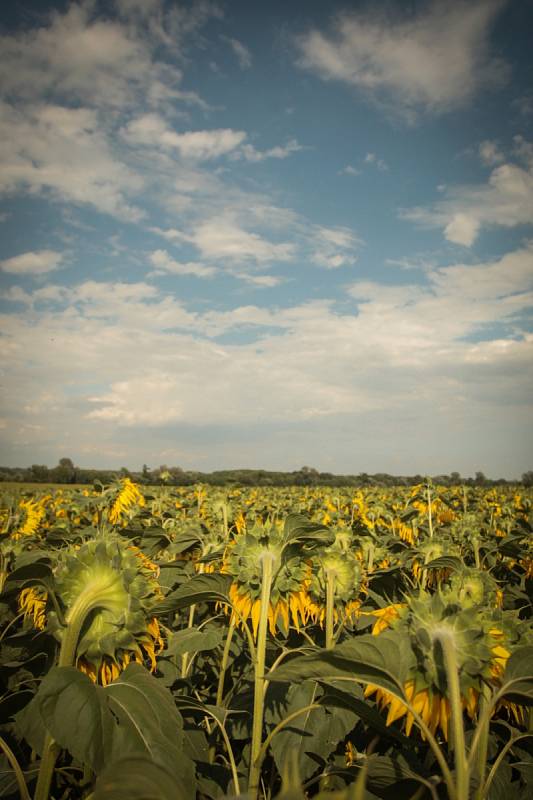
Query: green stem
point(430, 515)
point(330, 605)
point(267, 560)
point(480, 757)
point(462, 771)
point(185, 655)
point(224, 663)
point(15, 766)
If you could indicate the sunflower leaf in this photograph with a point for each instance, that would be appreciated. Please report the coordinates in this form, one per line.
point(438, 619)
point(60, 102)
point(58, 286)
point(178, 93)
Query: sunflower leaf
point(200, 589)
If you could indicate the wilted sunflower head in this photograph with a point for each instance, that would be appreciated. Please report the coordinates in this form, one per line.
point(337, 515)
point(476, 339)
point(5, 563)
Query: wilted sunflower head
point(481, 638)
point(340, 572)
point(126, 495)
point(244, 562)
point(470, 587)
point(115, 586)
point(29, 515)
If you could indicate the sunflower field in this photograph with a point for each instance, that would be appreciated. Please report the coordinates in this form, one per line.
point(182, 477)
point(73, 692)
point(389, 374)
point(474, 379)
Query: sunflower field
point(199, 644)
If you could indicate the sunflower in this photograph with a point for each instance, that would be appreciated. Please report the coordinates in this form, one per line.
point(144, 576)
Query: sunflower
point(128, 496)
point(32, 602)
point(30, 514)
point(289, 599)
point(114, 585)
point(344, 570)
point(481, 643)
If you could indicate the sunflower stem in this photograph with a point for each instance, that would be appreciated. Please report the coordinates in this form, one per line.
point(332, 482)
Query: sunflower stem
point(480, 757)
point(430, 516)
point(267, 562)
point(330, 606)
point(462, 772)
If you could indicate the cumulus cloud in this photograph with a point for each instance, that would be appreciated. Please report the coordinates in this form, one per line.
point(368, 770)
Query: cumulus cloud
point(62, 150)
point(506, 200)
point(33, 263)
point(433, 59)
point(307, 361)
point(153, 131)
point(99, 62)
point(223, 237)
point(164, 264)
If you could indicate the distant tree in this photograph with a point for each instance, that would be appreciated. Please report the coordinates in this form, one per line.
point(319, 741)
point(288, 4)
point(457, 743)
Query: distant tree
point(40, 473)
point(480, 479)
point(65, 472)
point(527, 478)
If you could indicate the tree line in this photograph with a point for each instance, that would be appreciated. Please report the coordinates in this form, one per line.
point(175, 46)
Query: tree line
point(67, 473)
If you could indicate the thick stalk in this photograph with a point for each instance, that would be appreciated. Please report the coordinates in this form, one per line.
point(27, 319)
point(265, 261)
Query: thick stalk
point(462, 772)
point(224, 663)
point(267, 560)
point(430, 515)
point(480, 757)
point(330, 607)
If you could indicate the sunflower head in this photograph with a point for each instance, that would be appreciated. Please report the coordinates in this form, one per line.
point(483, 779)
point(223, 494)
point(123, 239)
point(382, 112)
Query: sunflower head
point(470, 587)
point(115, 587)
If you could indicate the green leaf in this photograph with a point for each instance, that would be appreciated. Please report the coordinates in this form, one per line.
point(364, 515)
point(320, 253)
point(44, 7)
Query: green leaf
point(445, 562)
point(313, 732)
point(518, 677)
point(299, 530)
point(351, 697)
point(134, 715)
point(367, 659)
point(190, 640)
point(139, 779)
point(74, 712)
point(200, 589)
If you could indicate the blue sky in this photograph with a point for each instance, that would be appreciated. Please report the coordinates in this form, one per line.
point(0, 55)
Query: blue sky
point(267, 235)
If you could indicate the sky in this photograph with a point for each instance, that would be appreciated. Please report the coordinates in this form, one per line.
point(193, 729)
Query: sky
point(267, 235)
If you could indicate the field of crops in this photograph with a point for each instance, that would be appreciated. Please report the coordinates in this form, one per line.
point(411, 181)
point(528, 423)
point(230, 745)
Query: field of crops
point(173, 644)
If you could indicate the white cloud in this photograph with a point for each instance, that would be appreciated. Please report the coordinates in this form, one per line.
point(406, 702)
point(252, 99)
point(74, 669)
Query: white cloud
point(165, 264)
point(434, 59)
point(153, 131)
point(32, 263)
point(242, 53)
point(462, 229)
point(250, 153)
point(223, 238)
point(380, 163)
point(349, 170)
point(506, 200)
point(490, 153)
point(99, 62)
point(334, 247)
point(62, 150)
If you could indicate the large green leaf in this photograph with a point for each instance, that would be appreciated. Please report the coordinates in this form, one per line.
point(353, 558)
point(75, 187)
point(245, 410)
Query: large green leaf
point(314, 732)
point(367, 659)
point(200, 589)
point(517, 682)
point(135, 715)
point(139, 779)
point(190, 640)
point(298, 530)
